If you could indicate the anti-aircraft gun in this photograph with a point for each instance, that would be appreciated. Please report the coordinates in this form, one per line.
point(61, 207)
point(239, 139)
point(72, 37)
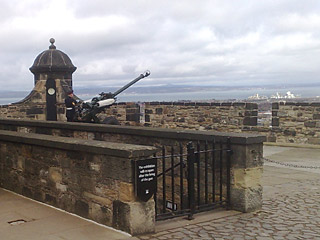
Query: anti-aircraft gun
point(87, 111)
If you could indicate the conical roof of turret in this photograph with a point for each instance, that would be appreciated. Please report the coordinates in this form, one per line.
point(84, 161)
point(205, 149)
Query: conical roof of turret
point(52, 60)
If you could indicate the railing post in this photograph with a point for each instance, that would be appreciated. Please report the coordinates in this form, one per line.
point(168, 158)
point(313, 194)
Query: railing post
point(164, 186)
point(191, 195)
point(229, 152)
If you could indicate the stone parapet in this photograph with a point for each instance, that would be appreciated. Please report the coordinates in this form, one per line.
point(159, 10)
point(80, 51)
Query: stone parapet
point(224, 116)
point(86, 177)
point(296, 122)
point(246, 160)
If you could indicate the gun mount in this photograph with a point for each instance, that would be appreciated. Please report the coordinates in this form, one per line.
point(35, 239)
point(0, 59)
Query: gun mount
point(87, 111)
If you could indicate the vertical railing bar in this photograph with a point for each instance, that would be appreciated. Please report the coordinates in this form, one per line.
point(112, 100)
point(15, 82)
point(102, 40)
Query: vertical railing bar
point(213, 171)
point(191, 195)
point(198, 173)
point(164, 186)
point(172, 176)
point(206, 172)
point(155, 194)
point(181, 176)
point(228, 172)
point(221, 170)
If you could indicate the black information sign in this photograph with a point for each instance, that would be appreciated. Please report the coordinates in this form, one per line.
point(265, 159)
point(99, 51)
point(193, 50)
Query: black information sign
point(145, 178)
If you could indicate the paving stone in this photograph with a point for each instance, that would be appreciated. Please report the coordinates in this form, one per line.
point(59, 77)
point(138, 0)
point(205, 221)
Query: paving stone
point(289, 215)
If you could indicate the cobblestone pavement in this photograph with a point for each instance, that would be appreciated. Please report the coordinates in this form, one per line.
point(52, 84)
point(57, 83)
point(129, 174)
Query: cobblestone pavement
point(291, 210)
point(288, 216)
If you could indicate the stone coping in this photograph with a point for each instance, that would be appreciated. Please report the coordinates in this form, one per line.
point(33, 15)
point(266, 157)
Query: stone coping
point(292, 103)
point(293, 145)
point(236, 138)
point(76, 144)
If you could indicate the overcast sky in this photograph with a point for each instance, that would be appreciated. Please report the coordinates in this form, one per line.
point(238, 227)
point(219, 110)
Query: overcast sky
point(208, 42)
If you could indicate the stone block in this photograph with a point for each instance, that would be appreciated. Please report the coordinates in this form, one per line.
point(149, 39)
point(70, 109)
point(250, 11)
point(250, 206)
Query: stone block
point(61, 187)
point(313, 140)
point(75, 155)
point(302, 104)
point(272, 138)
point(50, 199)
point(216, 104)
point(251, 106)
point(316, 116)
point(81, 135)
point(310, 124)
point(133, 117)
point(30, 166)
point(55, 174)
point(134, 217)
point(159, 111)
point(250, 121)
point(21, 163)
point(126, 192)
point(111, 190)
point(246, 199)
point(178, 103)
point(132, 111)
point(291, 104)
point(203, 104)
point(251, 113)
point(247, 156)
point(117, 168)
point(41, 130)
point(226, 104)
point(82, 208)
point(275, 122)
point(26, 191)
point(247, 177)
point(239, 104)
point(94, 166)
point(97, 199)
point(289, 132)
point(275, 106)
point(35, 110)
point(100, 214)
point(66, 202)
point(315, 104)
point(153, 103)
point(190, 104)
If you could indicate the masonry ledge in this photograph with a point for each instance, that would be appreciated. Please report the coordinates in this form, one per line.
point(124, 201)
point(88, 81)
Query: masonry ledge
point(236, 138)
point(75, 144)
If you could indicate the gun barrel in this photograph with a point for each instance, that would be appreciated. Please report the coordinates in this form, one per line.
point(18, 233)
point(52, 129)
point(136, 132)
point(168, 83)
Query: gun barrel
point(142, 75)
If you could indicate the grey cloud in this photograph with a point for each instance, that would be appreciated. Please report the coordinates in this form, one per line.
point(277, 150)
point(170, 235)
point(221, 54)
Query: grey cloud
point(206, 42)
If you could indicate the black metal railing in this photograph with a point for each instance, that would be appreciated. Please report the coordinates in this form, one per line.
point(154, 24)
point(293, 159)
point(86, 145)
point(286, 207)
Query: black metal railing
point(192, 179)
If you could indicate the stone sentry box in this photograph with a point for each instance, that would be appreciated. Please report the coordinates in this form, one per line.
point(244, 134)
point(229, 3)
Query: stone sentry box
point(90, 178)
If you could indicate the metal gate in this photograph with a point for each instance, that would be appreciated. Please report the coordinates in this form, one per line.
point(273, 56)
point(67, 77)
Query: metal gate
point(192, 178)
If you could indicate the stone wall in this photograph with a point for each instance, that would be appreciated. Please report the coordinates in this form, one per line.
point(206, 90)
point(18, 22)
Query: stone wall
point(92, 179)
point(33, 106)
point(294, 122)
point(246, 169)
point(224, 117)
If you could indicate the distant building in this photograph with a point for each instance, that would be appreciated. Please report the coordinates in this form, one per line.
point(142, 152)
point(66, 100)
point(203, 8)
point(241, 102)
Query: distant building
point(257, 97)
point(288, 95)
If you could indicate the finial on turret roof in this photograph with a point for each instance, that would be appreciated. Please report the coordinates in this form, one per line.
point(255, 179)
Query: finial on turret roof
point(52, 42)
